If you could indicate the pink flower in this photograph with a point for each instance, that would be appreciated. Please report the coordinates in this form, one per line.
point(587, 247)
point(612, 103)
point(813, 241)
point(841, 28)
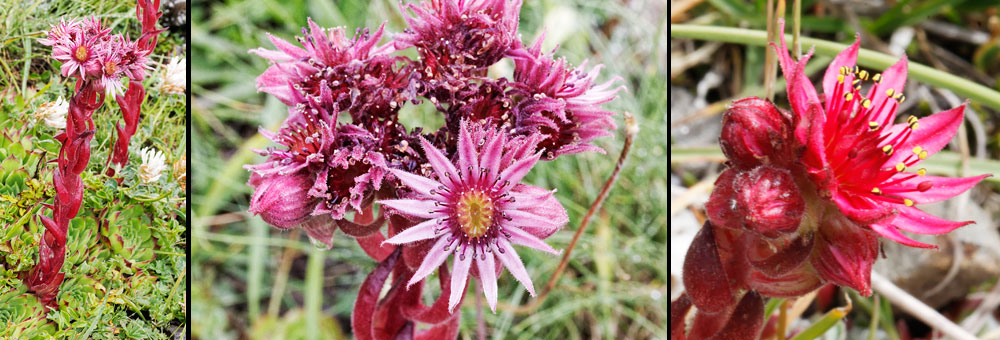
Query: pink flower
point(454, 35)
point(859, 160)
point(561, 102)
point(60, 33)
point(134, 61)
point(78, 52)
point(111, 73)
point(329, 61)
point(477, 209)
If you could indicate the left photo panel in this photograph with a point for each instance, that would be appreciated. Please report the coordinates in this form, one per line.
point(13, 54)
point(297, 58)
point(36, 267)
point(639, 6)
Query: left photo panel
point(93, 174)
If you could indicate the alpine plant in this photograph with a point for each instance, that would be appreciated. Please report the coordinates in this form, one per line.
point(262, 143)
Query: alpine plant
point(98, 61)
point(809, 192)
point(343, 160)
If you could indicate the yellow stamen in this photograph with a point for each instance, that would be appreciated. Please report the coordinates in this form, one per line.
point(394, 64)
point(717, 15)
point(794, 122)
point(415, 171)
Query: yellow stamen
point(848, 96)
point(917, 149)
point(863, 75)
point(866, 103)
point(81, 53)
point(873, 125)
point(887, 149)
point(908, 202)
point(876, 191)
point(877, 78)
point(911, 119)
point(840, 79)
point(890, 92)
point(923, 154)
point(900, 166)
point(921, 172)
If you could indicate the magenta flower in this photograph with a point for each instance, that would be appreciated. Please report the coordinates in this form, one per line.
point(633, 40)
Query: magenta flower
point(328, 61)
point(78, 53)
point(562, 103)
point(459, 34)
point(858, 159)
point(111, 74)
point(476, 209)
point(808, 192)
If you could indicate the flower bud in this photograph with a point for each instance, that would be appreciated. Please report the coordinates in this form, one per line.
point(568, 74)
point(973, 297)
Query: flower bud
point(755, 132)
point(282, 200)
point(770, 201)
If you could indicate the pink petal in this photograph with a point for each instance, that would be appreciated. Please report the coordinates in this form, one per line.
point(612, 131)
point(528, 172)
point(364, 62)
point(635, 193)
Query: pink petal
point(918, 221)
point(491, 156)
point(418, 183)
point(861, 209)
point(890, 232)
point(488, 276)
point(932, 134)
point(521, 237)
point(893, 78)
point(516, 171)
point(468, 161)
point(294, 52)
point(942, 188)
point(415, 208)
point(422, 231)
point(441, 165)
point(801, 92)
point(849, 58)
point(435, 257)
point(463, 260)
point(508, 256)
point(526, 219)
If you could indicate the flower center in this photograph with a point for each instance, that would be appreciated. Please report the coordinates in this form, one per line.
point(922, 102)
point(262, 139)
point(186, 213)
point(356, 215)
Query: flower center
point(81, 53)
point(475, 213)
point(110, 68)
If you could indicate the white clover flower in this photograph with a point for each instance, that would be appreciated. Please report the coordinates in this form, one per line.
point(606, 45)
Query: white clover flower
point(174, 79)
point(53, 113)
point(153, 164)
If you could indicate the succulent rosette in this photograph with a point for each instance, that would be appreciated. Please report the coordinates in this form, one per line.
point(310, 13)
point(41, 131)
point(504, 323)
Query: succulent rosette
point(343, 161)
point(809, 191)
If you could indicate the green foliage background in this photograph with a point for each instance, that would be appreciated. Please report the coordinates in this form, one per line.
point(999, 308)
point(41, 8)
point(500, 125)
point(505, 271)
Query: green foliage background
point(251, 280)
point(125, 260)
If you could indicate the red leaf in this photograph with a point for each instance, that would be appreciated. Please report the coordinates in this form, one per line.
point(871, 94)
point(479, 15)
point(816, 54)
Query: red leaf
point(415, 310)
point(704, 277)
point(678, 310)
point(362, 318)
point(776, 257)
point(372, 245)
point(746, 321)
point(444, 331)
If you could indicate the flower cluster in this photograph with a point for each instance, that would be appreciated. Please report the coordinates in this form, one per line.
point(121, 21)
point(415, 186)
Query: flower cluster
point(454, 190)
point(808, 193)
point(98, 60)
